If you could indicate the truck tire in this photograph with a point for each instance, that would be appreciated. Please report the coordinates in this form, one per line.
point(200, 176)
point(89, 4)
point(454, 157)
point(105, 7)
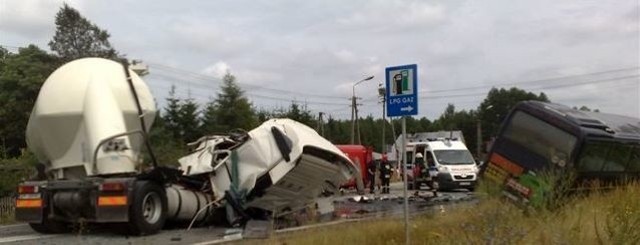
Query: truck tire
point(148, 210)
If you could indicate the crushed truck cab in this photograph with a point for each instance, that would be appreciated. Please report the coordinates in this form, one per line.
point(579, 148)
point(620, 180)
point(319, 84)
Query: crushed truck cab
point(89, 126)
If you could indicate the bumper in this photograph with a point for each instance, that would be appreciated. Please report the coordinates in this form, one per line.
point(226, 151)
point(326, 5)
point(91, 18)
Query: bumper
point(453, 181)
point(71, 200)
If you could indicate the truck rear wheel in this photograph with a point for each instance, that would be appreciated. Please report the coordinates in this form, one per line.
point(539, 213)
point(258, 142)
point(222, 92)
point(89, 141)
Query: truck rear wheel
point(148, 210)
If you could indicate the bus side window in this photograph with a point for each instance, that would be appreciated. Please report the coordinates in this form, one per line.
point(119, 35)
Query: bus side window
point(593, 157)
point(633, 164)
point(617, 158)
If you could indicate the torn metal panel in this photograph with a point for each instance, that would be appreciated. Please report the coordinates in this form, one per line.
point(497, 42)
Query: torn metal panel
point(281, 165)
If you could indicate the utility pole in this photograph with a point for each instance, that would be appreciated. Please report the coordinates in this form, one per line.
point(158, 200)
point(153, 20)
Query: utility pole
point(354, 109)
point(479, 140)
point(320, 124)
point(358, 124)
point(479, 131)
point(382, 92)
point(353, 121)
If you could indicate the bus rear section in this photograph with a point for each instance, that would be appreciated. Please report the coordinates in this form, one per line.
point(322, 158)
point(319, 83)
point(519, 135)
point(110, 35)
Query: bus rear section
point(542, 147)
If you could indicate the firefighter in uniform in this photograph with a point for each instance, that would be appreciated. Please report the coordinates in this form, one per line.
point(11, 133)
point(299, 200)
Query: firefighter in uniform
point(371, 173)
point(385, 173)
point(422, 172)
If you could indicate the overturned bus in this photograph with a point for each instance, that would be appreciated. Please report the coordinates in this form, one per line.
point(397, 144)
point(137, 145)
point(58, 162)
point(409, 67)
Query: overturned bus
point(542, 144)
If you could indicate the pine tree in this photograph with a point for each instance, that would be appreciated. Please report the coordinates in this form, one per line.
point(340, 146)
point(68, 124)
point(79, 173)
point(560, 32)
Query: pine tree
point(208, 119)
point(232, 109)
point(76, 37)
point(300, 114)
point(171, 115)
point(188, 121)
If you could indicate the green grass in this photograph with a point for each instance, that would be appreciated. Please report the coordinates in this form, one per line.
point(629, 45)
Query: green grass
point(611, 217)
point(7, 219)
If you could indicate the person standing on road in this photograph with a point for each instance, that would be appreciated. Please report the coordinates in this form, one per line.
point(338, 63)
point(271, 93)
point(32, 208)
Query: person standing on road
point(420, 172)
point(385, 173)
point(371, 172)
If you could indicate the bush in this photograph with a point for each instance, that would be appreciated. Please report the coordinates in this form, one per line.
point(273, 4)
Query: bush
point(15, 170)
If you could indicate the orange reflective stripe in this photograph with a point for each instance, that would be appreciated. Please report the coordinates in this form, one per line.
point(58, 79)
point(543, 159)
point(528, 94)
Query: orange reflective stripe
point(28, 203)
point(505, 164)
point(112, 200)
point(495, 173)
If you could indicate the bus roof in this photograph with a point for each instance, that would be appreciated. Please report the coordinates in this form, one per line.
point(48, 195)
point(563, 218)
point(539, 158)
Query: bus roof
point(594, 124)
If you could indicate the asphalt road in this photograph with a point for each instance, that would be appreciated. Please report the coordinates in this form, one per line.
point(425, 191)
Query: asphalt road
point(345, 208)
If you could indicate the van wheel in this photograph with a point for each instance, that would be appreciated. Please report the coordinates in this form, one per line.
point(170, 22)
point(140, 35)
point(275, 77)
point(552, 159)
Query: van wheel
point(436, 186)
point(148, 210)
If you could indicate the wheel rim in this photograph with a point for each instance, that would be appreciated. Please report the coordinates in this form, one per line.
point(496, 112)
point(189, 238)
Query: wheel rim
point(151, 208)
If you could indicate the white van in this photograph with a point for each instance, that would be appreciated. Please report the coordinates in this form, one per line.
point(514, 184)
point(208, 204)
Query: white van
point(455, 164)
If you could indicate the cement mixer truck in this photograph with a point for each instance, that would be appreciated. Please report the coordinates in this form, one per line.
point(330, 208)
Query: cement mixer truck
point(89, 129)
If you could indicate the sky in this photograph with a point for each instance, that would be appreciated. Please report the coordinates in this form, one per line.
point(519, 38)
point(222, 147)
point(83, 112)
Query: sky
point(579, 53)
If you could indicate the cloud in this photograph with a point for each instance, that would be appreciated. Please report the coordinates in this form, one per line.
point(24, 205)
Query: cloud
point(30, 19)
point(395, 15)
point(199, 36)
point(217, 70)
point(319, 48)
point(345, 56)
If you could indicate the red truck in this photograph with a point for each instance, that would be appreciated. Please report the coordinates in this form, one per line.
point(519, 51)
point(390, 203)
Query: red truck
point(360, 155)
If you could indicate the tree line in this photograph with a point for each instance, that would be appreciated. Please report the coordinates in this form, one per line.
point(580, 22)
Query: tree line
point(183, 120)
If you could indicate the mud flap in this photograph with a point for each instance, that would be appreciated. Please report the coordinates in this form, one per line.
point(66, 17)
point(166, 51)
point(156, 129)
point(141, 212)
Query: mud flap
point(31, 215)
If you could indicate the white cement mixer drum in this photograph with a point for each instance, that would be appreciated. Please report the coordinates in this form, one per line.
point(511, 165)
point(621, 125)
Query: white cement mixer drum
point(81, 104)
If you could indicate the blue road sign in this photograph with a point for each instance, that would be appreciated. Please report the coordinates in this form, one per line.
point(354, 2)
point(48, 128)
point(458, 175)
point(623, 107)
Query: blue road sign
point(402, 90)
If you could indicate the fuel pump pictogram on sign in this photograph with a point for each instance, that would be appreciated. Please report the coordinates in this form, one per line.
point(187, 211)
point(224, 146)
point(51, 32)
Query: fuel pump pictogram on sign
point(401, 84)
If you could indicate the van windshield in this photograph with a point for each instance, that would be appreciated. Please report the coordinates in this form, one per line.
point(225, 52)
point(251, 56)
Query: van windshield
point(453, 157)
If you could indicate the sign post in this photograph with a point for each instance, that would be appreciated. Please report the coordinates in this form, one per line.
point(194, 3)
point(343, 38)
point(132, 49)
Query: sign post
point(402, 100)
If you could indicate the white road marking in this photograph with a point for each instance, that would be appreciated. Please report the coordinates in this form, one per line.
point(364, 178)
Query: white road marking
point(24, 238)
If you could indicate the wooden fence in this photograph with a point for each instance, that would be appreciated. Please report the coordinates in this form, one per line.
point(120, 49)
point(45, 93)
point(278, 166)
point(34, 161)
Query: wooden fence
point(7, 204)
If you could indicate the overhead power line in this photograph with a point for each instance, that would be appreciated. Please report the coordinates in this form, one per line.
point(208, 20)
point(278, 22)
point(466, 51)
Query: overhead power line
point(248, 93)
point(614, 79)
point(636, 68)
point(204, 77)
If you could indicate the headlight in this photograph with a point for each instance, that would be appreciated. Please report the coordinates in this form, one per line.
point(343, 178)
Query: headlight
point(443, 169)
